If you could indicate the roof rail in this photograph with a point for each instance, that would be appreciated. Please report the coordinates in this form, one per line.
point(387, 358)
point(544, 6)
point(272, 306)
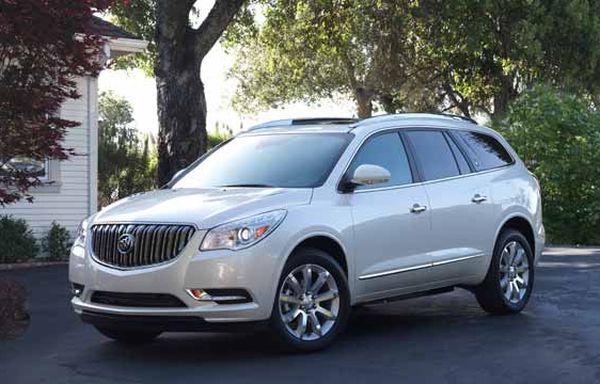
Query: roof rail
point(465, 118)
point(409, 115)
point(307, 121)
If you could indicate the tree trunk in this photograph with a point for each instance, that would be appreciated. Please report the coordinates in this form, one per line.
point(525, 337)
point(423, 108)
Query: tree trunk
point(180, 92)
point(364, 102)
point(387, 102)
point(502, 100)
point(182, 118)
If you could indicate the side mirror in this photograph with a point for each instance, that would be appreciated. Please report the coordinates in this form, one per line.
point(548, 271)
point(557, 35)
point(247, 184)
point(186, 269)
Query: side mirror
point(367, 174)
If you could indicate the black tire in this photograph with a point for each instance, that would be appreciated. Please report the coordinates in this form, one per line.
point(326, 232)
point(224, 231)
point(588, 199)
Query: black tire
point(127, 336)
point(282, 335)
point(489, 293)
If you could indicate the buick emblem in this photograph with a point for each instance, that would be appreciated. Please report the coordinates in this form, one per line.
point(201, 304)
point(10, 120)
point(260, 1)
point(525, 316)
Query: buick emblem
point(125, 243)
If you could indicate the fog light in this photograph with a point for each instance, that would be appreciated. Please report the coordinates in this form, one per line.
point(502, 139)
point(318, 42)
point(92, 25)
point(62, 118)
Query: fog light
point(199, 294)
point(76, 289)
point(220, 296)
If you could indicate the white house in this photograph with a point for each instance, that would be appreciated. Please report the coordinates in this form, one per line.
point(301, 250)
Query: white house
point(69, 192)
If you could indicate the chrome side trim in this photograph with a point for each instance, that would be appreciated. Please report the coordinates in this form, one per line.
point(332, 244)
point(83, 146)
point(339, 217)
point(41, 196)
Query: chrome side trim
point(444, 262)
point(394, 271)
point(418, 267)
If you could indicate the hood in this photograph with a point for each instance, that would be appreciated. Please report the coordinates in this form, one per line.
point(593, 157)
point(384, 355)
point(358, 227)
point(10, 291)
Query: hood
point(204, 207)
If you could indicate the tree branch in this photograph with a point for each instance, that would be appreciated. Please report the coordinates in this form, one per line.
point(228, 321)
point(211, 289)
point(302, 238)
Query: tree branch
point(214, 25)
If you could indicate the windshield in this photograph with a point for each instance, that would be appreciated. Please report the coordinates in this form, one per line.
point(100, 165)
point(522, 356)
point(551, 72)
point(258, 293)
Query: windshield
point(302, 160)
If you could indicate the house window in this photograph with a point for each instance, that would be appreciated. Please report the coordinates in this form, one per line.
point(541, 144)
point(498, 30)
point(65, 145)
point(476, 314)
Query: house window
point(37, 168)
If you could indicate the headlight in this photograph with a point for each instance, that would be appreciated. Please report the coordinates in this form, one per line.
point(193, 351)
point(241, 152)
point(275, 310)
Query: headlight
point(242, 233)
point(81, 231)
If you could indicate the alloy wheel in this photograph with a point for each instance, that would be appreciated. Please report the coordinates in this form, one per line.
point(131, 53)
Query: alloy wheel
point(309, 302)
point(514, 272)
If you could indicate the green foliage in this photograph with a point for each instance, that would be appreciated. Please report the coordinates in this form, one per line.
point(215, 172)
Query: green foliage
point(56, 243)
point(126, 160)
point(216, 138)
point(308, 50)
point(467, 56)
point(139, 18)
point(558, 135)
point(17, 242)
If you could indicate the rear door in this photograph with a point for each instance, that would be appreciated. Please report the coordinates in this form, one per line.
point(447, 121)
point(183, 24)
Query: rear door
point(460, 212)
point(391, 221)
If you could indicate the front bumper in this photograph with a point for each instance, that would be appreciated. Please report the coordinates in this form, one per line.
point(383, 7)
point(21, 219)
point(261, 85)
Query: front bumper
point(255, 270)
point(167, 323)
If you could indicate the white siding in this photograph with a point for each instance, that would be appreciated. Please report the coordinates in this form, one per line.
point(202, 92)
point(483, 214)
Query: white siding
point(73, 196)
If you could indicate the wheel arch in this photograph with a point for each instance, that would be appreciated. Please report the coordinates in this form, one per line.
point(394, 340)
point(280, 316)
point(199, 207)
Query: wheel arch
point(523, 225)
point(325, 243)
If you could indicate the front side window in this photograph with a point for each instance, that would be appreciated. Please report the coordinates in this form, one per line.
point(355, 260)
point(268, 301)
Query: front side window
point(302, 160)
point(485, 151)
point(386, 151)
point(433, 154)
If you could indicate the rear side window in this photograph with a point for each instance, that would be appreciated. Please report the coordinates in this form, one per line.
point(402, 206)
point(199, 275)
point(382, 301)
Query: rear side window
point(433, 154)
point(484, 150)
point(387, 151)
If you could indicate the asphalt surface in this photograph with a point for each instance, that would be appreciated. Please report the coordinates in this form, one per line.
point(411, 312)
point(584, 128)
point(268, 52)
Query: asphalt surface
point(441, 339)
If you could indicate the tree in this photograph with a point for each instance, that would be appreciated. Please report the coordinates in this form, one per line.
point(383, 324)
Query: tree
point(126, 159)
point(464, 56)
point(179, 49)
point(484, 54)
point(44, 45)
point(308, 50)
point(556, 134)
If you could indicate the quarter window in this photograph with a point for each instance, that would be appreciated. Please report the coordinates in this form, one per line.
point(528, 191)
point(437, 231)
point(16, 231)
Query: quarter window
point(485, 151)
point(387, 151)
point(433, 154)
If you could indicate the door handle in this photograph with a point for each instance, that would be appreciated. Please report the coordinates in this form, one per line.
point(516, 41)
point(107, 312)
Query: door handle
point(477, 199)
point(418, 208)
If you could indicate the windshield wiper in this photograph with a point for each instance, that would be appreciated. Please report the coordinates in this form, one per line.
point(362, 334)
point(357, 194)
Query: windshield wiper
point(247, 186)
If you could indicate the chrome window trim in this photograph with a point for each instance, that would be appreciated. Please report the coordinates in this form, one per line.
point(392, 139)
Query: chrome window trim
point(418, 267)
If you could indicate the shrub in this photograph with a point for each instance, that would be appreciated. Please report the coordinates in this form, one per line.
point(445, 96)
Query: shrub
point(558, 136)
point(57, 242)
point(17, 242)
point(216, 138)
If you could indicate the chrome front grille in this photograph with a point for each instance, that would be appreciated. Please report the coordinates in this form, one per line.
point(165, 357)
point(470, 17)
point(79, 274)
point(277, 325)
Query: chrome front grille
point(138, 245)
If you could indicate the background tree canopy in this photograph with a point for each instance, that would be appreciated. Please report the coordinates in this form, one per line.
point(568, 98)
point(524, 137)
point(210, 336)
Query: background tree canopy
point(126, 159)
point(557, 135)
point(466, 56)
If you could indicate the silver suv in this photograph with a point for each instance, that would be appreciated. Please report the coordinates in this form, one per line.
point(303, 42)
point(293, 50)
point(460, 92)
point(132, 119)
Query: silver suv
point(290, 224)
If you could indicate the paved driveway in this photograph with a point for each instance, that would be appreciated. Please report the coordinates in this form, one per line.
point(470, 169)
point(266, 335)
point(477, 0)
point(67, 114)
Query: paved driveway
point(428, 340)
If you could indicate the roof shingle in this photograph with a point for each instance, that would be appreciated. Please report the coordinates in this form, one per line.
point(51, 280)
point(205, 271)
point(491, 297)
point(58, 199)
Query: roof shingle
point(107, 29)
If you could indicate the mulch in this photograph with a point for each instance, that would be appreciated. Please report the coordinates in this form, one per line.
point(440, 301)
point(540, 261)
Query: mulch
point(14, 317)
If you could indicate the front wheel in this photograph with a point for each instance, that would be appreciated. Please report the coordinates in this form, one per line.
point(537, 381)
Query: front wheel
point(509, 281)
point(312, 302)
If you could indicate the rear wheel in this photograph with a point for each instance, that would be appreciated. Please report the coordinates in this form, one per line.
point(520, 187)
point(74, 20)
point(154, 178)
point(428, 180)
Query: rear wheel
point(509, 281)
point(312, 303)
point(128, 336)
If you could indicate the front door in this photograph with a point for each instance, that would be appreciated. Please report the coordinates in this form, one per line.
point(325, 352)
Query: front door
point(391, 222)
